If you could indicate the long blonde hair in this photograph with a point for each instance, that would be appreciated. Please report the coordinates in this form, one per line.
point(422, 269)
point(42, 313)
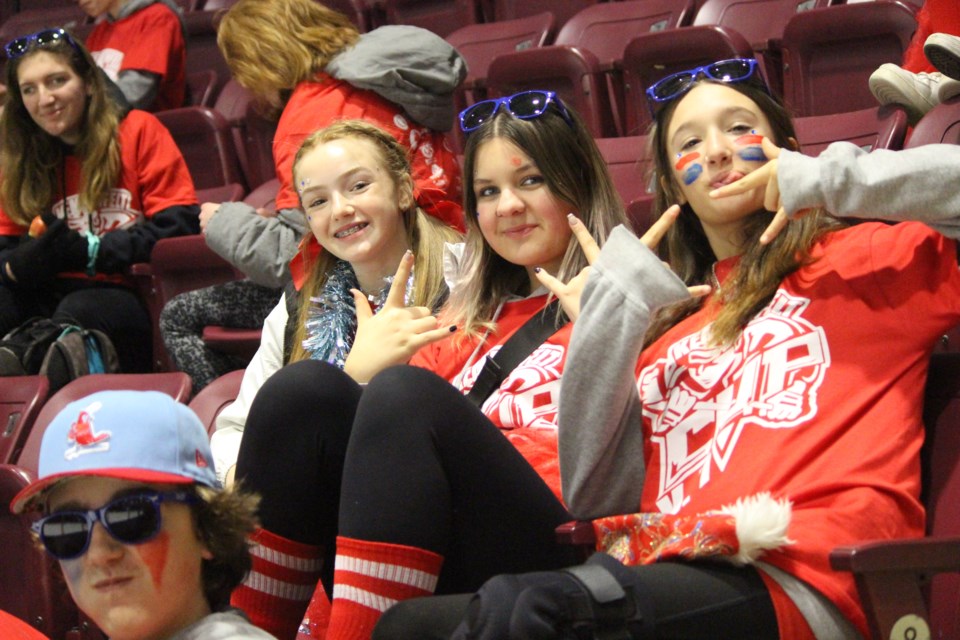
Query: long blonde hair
point(32, 161)
point(574, 172)
point(761, 268)
point(426, 235)
point(271, 47)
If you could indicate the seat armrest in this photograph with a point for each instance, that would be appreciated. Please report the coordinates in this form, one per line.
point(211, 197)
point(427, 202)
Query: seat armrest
point(889, 576)
point(922, 555)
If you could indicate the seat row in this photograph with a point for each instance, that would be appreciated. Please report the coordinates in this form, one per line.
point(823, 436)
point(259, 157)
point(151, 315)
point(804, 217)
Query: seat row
point(605, 57)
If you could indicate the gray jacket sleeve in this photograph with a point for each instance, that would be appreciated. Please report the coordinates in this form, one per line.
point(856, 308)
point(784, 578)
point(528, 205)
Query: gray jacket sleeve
point(139, 87)
point(601, 439)
point(913, 184)
point(260, 247)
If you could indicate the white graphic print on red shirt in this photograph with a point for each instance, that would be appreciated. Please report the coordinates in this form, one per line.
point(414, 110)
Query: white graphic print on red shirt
point(528, 396)
point(699, 398)
point(115, 212)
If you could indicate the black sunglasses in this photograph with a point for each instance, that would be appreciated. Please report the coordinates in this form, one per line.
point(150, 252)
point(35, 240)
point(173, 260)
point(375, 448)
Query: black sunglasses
point(131, 519)
point(525, 105)
point(677, 84)
point(18, 47)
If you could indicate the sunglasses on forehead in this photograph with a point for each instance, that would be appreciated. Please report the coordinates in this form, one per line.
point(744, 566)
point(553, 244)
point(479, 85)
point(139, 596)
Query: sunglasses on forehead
point(677, 84)
point(525, 105)
point(131, 519)
point(16, 48)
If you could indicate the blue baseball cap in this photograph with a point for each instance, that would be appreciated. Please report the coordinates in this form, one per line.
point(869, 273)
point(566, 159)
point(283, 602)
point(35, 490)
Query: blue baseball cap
point(143, 436)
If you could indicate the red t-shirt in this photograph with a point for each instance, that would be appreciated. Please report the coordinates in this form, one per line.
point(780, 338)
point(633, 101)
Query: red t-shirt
point(524, 407)
point(314, 105)
point(147, 40)
point(153, 177)
point(817, 401)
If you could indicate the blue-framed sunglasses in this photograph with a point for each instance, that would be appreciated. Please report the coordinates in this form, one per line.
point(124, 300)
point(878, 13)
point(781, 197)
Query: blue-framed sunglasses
point(16, 48)
point(677, 84)
point(131, 519)
point(525, 105)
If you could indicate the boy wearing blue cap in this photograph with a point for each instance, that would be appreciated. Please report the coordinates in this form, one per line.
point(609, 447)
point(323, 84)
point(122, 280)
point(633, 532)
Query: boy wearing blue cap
point(171, 544)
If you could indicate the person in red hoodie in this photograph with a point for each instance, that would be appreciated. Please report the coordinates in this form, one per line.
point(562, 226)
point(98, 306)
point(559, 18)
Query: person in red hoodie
point(141, 45)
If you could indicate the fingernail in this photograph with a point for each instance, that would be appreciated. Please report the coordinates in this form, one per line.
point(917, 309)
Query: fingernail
point(536, 269)
point(572, 218)
point(408, 253)
point(453, 328)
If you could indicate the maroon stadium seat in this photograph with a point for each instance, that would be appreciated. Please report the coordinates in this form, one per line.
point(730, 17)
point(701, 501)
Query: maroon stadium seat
point(829, 54)
point(21, 398)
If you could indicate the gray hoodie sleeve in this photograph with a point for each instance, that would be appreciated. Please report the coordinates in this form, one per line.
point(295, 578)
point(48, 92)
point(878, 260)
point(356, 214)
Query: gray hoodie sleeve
point(913, 184)
point(261, 247)
point(601, 439)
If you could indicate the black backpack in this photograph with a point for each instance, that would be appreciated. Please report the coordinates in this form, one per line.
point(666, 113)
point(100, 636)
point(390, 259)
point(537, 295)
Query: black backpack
point(58, 350)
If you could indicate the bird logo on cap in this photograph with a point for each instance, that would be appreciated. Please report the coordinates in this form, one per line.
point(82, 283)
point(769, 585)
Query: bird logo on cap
point(82, 435)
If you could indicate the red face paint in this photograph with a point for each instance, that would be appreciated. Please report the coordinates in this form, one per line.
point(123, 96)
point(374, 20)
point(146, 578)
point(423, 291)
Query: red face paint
point(749, 139)
point(515, 161)
point(154, 554)
point(685, 160)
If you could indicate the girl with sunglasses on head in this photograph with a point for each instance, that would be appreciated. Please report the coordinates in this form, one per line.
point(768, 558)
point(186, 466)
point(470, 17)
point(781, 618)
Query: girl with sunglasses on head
point(309, 66)
point(758, 428)
point(411, 486)
point(106, 183)
point(149, 543)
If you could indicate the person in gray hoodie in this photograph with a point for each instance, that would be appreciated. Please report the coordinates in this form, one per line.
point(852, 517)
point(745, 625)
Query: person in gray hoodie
point(141, 45)
point(310, 65)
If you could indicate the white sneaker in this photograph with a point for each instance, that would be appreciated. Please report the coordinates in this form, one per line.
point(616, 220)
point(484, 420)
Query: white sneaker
point(948, 88)
point(943, 51)
point(917, 92)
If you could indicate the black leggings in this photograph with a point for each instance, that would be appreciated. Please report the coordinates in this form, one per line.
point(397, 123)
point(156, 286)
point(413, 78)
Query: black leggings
point(423, 468)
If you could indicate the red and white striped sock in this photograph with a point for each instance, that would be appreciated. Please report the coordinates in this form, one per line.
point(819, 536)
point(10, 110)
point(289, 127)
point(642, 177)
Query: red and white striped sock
point(281, 581)
point(370, 577)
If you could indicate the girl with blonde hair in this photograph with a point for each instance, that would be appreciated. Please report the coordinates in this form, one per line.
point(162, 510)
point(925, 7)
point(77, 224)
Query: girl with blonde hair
point(311, 67)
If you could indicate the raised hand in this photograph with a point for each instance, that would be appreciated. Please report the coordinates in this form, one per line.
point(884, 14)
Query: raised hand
point(569, 293)
point(395, 333)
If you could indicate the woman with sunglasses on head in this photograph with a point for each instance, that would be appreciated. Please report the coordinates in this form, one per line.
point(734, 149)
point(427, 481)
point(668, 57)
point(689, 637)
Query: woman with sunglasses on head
point(439, 491)
point(149, 543)
point(756, 429)
point(310, 66)
point(106, 183)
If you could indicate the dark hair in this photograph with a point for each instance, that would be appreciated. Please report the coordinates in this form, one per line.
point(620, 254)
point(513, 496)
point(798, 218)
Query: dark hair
point(687, 250)
point(224, 520)
point(31, 158)
point(573, 170)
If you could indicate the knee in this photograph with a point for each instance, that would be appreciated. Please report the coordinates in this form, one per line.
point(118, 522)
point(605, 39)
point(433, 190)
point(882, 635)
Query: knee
point(401, 383)
point(304, 390)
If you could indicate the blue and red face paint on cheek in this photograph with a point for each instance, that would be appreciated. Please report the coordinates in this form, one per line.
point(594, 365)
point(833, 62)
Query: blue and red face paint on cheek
point(689, 167)
point(751, 150)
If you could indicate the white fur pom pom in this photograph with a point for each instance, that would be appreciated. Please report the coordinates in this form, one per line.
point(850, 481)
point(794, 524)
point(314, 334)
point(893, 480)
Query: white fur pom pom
point(762, 524)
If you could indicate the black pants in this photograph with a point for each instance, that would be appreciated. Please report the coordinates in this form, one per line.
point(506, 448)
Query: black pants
point(693, 601)
point(420, 466)
point(115, 310)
